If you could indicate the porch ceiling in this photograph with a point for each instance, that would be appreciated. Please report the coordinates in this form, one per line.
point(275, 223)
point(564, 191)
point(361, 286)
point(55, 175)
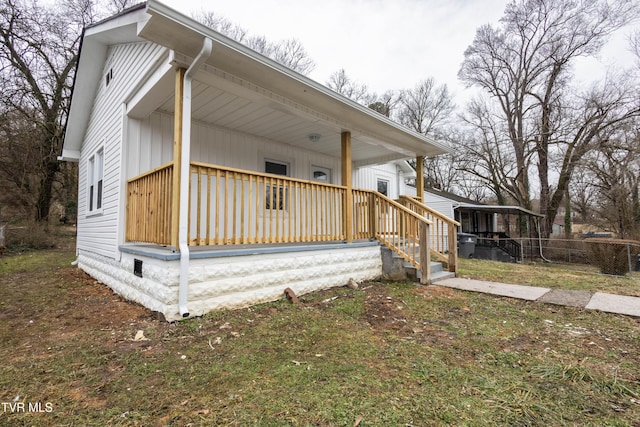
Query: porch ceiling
point(216, 106)
point(244, 91)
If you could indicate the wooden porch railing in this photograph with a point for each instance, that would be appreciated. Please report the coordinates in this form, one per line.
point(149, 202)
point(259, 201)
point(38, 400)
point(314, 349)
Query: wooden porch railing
point(397, 227)
point(443, 234)
point(233, 206)
point(148, 217)
point(230, 206)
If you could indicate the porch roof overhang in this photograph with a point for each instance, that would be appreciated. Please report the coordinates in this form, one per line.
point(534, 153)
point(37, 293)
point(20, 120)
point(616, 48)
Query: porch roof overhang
point(510, 210)
point(240, 89)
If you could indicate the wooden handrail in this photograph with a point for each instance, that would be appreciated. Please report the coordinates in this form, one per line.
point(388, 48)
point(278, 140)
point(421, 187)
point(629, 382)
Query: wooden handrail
point(400, 229)
point(151, 172)
point(264, 174)
point(443, 245)
point(427, 209)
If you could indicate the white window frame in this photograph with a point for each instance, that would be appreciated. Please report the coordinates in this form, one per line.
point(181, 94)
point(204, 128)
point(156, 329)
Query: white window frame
point(278, 162)
point(95, 182)
point(271, 198)
point(322, 169)
point(387, 182)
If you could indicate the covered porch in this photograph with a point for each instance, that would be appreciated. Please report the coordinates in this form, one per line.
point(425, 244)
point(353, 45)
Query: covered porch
point(231, 209)
point(500, 230)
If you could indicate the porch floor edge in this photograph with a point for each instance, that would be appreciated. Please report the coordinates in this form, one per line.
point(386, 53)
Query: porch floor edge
point(167, 254)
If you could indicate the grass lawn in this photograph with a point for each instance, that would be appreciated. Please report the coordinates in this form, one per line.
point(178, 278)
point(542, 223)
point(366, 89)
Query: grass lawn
point(387, 354)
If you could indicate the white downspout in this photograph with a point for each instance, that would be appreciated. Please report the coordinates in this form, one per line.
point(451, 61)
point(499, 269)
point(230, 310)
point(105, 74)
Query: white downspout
point(185, 176)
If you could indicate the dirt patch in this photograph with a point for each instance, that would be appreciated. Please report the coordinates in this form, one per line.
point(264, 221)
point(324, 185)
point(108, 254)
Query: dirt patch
point(387, 314)
point(384, 312)
point(96, 303)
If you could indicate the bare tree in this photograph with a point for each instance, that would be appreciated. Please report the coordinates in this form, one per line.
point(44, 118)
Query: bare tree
point(39, 44)
point(487, 149)
point(525, 66)
point(38, 50)
point(634, 43)
point(582, 192)
point(385, 104)
point(615, 183)
point(345, 85)
point(117, 6)
point(426, 107)
point(290, 53)
point(18, 149)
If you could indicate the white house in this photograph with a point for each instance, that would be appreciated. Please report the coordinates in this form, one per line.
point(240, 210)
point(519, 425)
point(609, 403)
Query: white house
point(213, 177)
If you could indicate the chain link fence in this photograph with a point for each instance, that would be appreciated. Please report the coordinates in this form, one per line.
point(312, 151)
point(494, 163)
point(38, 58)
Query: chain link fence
point(594, 255)
point(605, 256)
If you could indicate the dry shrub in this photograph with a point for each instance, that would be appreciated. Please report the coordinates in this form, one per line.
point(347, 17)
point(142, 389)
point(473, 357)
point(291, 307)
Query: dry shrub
point(31, 236)
point(612, 255)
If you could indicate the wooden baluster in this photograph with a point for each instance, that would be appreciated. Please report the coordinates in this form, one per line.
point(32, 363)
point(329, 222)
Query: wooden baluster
point(199, 206)
point(225, 212)
point(250, 210)
point(289, 209)
point(425, 261)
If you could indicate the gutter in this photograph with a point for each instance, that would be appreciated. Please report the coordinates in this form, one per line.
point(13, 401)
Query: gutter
point(185, 176)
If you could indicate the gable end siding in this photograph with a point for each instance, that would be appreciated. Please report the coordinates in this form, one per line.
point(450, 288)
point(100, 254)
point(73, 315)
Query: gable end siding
point(128, 63)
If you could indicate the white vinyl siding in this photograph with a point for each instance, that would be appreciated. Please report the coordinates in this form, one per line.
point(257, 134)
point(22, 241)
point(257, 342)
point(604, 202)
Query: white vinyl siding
point(126, 64)
point(368, 177)
point(151, 145)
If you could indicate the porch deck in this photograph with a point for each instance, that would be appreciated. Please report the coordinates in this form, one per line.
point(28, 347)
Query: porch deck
point(166, 253)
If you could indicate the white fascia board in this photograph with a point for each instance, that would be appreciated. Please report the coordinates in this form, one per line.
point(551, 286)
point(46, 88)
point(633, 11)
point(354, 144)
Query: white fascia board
point(378, 160)
point(93, 53)
point(405, 168)
point(69, 155)
point(88, 75)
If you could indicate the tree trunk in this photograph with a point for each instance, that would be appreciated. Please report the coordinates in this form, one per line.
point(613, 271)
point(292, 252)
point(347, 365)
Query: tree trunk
point(43, 205)
point(567, 215)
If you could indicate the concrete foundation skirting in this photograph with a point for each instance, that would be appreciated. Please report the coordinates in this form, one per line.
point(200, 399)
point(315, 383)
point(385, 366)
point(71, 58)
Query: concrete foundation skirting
point(233, 281)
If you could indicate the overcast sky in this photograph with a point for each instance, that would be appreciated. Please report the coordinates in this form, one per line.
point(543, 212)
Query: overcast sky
point(385, 44)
